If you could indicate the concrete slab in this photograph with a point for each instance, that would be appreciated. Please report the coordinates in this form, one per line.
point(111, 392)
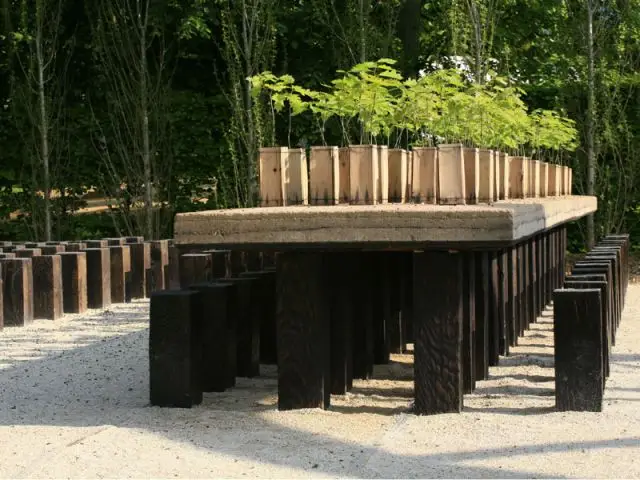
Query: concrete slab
point(501, 222)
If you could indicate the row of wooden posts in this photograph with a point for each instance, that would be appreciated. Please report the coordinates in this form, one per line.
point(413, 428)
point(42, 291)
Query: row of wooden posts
point(48, 280)
point(371, 174)
point(357, 308)
point(587, 312)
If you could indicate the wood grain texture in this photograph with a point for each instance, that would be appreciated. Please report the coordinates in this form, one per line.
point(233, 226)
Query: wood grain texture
point(17, 277)
point(28, 253)
point(363, 348)
point(381, 308)
point(494, 310)
point(303, 332)
point(603, 286)
point(120, 264)
point(469, 321)
point(578, 350)
point(156, 275)
point(397, 282)
point(512, 296)
point(482, 299)
point(503, 301)
point(47, 287)
point(140, 263)
point(438, 289)
point(339, 280)
point(52, 249)
point(265, 298)
point(248, 292)
point(214, 339)
point(98, 277)
point(74, 282)
point(195, 268)
point(175, 349)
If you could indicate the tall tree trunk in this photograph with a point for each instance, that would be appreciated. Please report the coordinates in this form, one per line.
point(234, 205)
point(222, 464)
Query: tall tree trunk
point(44, 125)
point(252, 148)
point(144, 113)
point(591, 115)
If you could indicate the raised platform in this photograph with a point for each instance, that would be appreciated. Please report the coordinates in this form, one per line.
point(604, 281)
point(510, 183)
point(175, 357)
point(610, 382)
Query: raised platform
point(503, 223)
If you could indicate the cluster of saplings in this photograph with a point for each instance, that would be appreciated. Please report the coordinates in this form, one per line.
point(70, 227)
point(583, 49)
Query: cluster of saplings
point(444, 106)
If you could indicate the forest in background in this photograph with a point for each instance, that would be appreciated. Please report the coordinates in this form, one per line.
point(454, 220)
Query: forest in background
point(148, 102)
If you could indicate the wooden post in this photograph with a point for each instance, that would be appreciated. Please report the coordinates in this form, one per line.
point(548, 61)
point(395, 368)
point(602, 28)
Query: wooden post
point(363, 174)
point(324, 176)
point(362, 346)
point(518, 177)
point(503, 305)
point(53, 249)
point(451, 175)
point(339, 277)
point(97, 243)
point(74, 282)
point(47, 287)
point(513, 296)
point(381, 308)
point(438, 290)
point(28, 253)
point(214, 339)
point(116, 241)
point(98, 277)
point(471, 175)
point(120, 258)
point(534, 178)
point(469, 321)
point(270, 173)
point(488, 176)
point(132, 240)
point(579, 384)
point(174, 267)
point(424, 184)
point(175, 351)
point(264, 298)
point(140, 263)
point(583, 282)
point(497, 176)
point(303, 333)
point(17, 278)
point(482, 299)
point(76, 247)
point(156, 275)
point(397, 175)
point(247, 325)
point(495, 316)
point(410, 179)
point(397, 285)
point(195, 268)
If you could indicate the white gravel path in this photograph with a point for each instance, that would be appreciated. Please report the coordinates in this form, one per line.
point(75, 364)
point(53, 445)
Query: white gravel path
point(74, 404)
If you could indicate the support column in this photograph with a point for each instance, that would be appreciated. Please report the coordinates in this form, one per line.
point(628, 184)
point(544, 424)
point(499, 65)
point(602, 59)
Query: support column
point(120, 258)
point(579, 385)
point(74, 282)
point(98, 277)
point(483, 290)
point(469, 321)
point(438, 290)
point(303, 332)
point(17, 276)
point(175, 353)
point(47, 287)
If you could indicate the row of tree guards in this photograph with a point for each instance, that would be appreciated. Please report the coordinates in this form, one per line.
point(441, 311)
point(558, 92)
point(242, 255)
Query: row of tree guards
point(371, 174)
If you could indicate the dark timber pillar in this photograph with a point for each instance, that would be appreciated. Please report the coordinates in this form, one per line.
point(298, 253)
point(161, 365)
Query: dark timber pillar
point(175, 352)
point(74, 282)
point(303, 332)
point(469, 321)
point(120, 259)
point(47, 287)
point(195, 268)
point(438, 290)
point(579, 384)
point(482, 302)
point(140, 263)
point(98, 277)
point(17, 276)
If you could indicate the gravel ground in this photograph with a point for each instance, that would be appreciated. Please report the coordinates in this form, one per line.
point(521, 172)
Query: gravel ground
point(74, 404)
